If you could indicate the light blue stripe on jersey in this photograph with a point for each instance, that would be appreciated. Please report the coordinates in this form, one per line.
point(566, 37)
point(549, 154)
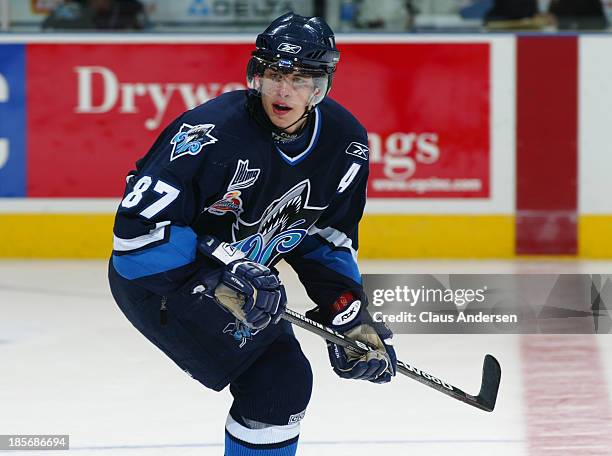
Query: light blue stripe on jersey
point(180, 250)
point(313, 142)
point(340, 261)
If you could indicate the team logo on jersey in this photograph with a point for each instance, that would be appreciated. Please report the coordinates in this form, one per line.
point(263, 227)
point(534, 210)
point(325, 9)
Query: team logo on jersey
point(190, 139)
point(290, 48)
point(240, 332)
point(281, 227)
point(358, 150)
point(243, 176)
point(230, 202)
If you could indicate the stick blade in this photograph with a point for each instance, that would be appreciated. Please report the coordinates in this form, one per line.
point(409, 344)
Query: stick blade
point(491, 377)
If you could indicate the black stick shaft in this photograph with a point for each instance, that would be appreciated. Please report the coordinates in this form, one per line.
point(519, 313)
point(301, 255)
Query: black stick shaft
point(491, 370)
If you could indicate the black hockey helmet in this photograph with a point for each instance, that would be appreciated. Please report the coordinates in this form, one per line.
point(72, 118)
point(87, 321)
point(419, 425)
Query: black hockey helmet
point(296, 43)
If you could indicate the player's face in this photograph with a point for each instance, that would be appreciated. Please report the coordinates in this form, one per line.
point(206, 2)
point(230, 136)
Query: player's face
point(285, 97)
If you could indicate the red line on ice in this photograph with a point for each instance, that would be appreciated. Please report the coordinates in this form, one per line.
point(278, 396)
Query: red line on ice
point(566, 396)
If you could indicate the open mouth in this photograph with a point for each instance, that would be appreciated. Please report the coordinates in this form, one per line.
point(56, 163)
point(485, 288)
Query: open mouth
point(280, 109)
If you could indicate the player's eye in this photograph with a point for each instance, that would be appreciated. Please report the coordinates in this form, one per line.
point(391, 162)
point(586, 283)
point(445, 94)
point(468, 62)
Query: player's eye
point(274, 76)
point(300, 82)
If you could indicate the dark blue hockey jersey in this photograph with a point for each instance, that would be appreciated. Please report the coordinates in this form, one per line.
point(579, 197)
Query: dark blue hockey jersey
point(215, 170)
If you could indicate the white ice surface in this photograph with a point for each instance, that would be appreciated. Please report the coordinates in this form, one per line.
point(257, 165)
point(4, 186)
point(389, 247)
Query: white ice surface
point(70, 363)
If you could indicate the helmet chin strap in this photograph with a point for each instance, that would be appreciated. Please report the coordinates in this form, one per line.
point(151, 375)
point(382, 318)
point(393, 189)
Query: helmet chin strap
point(309, 108)
point(260, 116)
point(307, 112)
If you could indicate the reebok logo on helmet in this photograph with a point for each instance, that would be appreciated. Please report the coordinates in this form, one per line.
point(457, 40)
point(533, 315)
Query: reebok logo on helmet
point(290, 48)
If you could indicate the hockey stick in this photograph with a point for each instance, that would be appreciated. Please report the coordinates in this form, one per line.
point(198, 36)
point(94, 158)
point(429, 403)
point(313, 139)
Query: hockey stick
point(491, 370)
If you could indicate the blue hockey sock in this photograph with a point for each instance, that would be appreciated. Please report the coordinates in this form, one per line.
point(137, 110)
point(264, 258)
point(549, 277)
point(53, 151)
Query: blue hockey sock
point(261, 440)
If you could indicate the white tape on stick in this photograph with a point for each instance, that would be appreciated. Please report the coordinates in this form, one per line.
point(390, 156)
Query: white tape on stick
point(4, 152)
point(4, 143)
point(4, 89)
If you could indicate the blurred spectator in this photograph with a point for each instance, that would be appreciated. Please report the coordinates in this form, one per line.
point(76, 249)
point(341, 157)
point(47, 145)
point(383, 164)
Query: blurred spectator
point(504, 10)
point(389, 15)
point(67, 15)
point(440, 7)
point(117, 14)
point(476, 9)
point(518, 15)
point(97, 14)
point(579, 14)
point(451, 14)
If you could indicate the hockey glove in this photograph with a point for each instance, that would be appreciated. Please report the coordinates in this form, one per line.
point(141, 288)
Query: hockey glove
point(349, 316)
point(248, 290)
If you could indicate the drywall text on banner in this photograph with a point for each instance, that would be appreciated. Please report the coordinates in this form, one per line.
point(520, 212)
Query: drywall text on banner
point(100, 91)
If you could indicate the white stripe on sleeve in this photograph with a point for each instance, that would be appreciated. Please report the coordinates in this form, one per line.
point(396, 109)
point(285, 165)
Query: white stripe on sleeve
point(335, 237)
point(156, 234)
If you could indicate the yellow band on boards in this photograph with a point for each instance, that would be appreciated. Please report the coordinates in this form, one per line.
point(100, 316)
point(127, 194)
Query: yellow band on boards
point(380, 236)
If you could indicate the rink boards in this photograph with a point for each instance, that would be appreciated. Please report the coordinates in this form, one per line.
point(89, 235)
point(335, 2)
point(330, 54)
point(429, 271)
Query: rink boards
point(480, 146)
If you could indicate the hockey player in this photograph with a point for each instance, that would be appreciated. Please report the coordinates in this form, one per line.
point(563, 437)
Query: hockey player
point(228, 190)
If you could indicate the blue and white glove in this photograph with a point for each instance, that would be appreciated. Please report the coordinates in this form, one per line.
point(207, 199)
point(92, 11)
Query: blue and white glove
point(250, 291)
point(349, 316)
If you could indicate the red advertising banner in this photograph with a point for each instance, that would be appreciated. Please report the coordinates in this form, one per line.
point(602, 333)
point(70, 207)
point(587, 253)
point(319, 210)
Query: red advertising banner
point(93, 109)
point(426, 107)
